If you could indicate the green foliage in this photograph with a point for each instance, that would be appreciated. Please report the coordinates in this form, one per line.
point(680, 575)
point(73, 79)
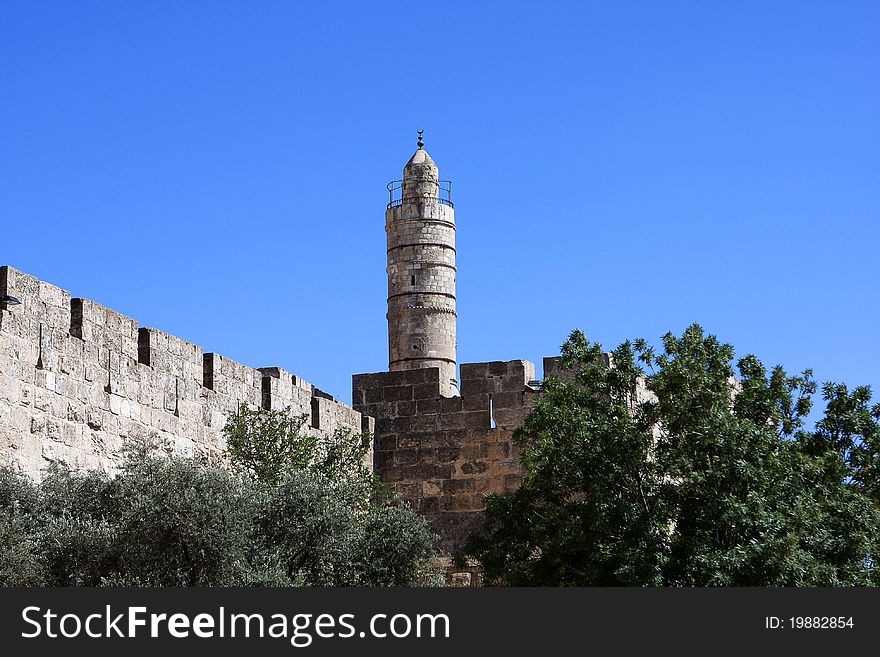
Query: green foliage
point(685, 475)
point(19, 561)
point(322, 539)
point(271, 444)
point(325, 519)
point(184, 525)
point(395, 548)
point(267, 443)
point(175, 522)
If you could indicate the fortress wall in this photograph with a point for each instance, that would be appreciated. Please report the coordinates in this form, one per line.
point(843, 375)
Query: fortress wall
point(79, 381)
point(442, 453)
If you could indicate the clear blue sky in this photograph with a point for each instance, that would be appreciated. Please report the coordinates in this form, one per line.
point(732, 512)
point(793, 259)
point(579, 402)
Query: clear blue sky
point(217, 170)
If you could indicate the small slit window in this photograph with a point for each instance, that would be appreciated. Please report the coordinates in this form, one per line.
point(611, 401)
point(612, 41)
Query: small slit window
point(316, 413)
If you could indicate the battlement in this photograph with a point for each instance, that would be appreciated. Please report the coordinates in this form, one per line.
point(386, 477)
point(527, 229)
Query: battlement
point(443, 454)
point(78, 380)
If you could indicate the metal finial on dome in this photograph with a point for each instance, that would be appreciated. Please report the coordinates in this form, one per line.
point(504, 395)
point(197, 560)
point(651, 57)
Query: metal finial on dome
point(421, 143)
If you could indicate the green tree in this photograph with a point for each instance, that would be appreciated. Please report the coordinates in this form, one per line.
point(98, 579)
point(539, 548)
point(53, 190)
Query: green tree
point(647, 469)
point(177, 522)
point(20, 562)
point(160, 522)
point(269, 444)
point(322, 537)
point(326, 519)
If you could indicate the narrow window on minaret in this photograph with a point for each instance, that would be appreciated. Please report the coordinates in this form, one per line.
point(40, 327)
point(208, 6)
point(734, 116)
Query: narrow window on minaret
point(412, 280)
point(492, 424)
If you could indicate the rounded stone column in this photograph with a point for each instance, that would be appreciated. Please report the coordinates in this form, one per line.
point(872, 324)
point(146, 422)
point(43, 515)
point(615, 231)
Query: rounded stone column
point(420, 227)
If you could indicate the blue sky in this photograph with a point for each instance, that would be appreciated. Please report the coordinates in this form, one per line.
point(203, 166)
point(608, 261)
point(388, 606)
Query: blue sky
point(217, 170)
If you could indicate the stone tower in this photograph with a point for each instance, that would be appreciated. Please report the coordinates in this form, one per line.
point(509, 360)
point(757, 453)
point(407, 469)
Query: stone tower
point(420, 224)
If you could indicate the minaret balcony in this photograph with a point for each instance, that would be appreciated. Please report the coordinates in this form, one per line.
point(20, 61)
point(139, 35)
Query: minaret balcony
point(396, 197)
point(409, 200)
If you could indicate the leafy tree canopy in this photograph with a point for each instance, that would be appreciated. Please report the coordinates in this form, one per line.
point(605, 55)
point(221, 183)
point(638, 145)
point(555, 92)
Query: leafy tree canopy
point(686, 468)
point(305, 518)
point(270, 444)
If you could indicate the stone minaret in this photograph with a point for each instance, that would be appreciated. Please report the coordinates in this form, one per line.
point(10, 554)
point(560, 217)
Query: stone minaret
point(421, 272)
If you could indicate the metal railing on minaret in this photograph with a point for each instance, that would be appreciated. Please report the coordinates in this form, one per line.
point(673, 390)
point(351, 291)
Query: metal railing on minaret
point(396, 198)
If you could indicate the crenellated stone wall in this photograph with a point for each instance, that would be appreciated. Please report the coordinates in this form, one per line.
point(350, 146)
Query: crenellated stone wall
point(78, 381)
point(443, 454)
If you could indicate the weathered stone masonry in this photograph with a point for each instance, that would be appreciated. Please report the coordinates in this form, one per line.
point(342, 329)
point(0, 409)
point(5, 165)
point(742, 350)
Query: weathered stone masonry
point(420, 227)
point(78, 381)
point(444, 454)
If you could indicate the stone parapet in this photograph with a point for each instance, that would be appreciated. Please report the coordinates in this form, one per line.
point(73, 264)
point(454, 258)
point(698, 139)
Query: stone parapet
point(79, 381)
point(443, 454)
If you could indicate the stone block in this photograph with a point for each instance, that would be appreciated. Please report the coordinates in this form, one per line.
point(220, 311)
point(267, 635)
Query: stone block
point(398, 393)
point(405, 456)
point(450, 405)
point(496, 452)
point(432, 488)
point(497, 368)
point(475, 402)
point(373, 395)
point(471, 452)
point(507, 466)
point(427, 406)
point(53, 296)
point(383, 425)
point(457, 486)
point(510, 382)
point(409, 441)
point(448, 454)
point(277, 388)
point(386, 443)
point(390, 474)
point(476, 387)
point(459, 503)
point(406, 408)
point(401, 425)
point(430, 471)
point(477, 420)
point(512, 482)
point(472, 371)
point(385, 459)
point(427, 454)
point(410, 491)
point(42, 399)
point(426, 390)
point(483, 485)
point(431, 423)
point(473, 467)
